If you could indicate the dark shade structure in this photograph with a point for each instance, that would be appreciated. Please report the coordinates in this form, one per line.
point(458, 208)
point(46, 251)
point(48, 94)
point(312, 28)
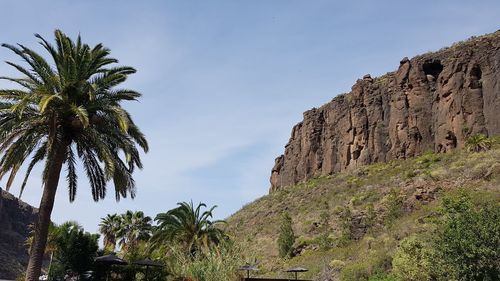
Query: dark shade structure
point(147, 263)
point(296, 270)
point(248, 268)
point(110, 259)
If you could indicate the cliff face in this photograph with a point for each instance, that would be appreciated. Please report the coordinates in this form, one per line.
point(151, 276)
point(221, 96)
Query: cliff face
point(432, 102)
point(15, 216)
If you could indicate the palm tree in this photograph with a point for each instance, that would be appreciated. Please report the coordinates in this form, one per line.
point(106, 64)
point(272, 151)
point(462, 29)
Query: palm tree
point(134, 227)
point(188, 226)
point(109, 228)
point(63, 111)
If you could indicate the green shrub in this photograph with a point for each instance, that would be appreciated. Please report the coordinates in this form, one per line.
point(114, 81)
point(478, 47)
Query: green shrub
point(427, 159)
point(354, 272)
point(394, 205)
point(468, 239)
point(324, 240)
point(345, 218)
point(218, 263)
point(477, 143)
point(412, 261)
point(376, 264)
point(336, 264)
point(286, 237)
point(382, 277)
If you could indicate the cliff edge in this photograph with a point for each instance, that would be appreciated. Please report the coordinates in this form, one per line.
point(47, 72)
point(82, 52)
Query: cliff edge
point(433, 102)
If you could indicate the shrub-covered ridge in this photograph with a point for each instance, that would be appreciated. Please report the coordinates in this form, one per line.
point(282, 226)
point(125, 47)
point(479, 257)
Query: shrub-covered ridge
point(349, 226)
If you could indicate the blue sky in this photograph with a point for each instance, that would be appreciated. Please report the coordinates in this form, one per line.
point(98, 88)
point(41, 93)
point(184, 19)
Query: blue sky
point(223, 82)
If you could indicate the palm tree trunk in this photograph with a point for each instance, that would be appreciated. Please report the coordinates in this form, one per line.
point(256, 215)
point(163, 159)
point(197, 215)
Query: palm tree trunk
point(45, 210)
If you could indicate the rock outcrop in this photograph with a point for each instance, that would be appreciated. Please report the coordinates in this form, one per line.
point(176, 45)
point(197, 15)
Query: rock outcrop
point(15, 217)
point(433, 102)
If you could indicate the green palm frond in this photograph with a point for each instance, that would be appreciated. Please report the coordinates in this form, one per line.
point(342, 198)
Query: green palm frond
point(70, 100)
point(189, 226)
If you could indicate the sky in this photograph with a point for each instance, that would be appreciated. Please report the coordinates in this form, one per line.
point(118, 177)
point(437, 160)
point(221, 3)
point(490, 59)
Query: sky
point(223, 82)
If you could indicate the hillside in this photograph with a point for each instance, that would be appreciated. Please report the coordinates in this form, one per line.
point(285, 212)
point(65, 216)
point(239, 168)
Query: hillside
point(368, 210)
point(371, 167)
point(434, 101)
point(15, 216)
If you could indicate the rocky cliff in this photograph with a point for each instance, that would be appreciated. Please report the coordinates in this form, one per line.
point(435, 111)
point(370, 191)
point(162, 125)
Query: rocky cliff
point(15, 216)
point(432, 102)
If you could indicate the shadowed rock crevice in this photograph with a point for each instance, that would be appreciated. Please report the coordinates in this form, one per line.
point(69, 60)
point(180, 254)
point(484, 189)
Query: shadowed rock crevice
point(432, 102)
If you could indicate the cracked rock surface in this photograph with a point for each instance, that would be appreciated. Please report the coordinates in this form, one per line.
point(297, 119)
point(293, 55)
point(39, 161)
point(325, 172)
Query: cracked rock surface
point(15, 217)
point(433, 102)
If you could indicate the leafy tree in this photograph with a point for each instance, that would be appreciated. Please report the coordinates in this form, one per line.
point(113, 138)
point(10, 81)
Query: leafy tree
point(188, 226)
point(66, 110)
point(478, 143)
point(109, 228)
point(468, 239)
point(76, 249)
point(134, 227)
point(286, 237)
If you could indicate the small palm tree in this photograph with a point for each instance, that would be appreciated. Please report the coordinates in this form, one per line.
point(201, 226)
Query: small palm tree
point(188, 226)
point(51, 246)
point(134, 227)
point(66, 110)
point(478, 143)
point(109, 228)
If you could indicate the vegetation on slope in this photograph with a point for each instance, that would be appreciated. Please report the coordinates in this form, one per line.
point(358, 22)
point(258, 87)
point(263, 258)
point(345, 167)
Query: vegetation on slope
point(350, 225)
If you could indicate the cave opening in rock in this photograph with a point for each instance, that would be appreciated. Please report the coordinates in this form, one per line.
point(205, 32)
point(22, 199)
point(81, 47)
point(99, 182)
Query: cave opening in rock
point(476, 72)
point(433, 67)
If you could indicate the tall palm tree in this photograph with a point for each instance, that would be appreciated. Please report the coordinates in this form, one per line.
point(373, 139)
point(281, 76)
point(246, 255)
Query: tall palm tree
point(66, 110)
point(134, 227)
point(109, 228)
point(188, 226)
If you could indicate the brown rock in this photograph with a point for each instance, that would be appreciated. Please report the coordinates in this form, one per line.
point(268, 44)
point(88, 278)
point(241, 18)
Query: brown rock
point(432, 102)
point(15, 216)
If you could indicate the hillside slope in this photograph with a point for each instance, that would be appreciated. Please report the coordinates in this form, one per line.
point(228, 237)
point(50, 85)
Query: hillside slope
point(365, 212)
point(432, 102)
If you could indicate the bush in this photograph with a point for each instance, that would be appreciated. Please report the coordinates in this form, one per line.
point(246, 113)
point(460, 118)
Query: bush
point(382, 277)
point(355, 272)
point(394, 205)
point(345, 218)
point(412, 261)
point(464, 247)
point(468, 239)
point(477, 143)
point(324, 240)
point(427, 159)
point(375, 264)
point(218, 263)
point(286, 237)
